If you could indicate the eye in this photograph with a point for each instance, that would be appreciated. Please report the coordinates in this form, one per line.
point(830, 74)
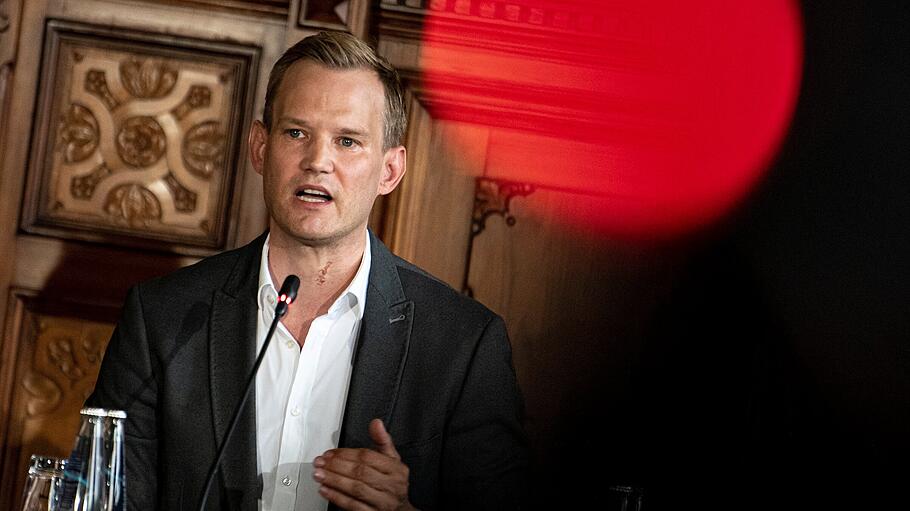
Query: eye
point(294, 133)
point(347, 142)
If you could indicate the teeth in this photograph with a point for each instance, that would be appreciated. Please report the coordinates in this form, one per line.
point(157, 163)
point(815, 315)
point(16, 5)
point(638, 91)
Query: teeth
point(311, 191)
point(305, 198)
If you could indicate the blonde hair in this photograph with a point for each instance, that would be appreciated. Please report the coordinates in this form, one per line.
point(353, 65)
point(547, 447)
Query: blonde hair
point(339, 50)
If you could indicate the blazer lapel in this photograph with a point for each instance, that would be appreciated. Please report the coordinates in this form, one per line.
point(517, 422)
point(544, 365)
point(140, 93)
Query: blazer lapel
point(381, 350)
point(232, 353)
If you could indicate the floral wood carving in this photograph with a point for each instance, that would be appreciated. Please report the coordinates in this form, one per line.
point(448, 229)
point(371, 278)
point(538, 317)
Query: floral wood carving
point(148, 78)
point(141, 142)
point(65, 362)
point(96, 85)
point(133, 205)
point(83, 187)
point(146, 137)
point(197, 97)
point(203, 150)
point(78, 134)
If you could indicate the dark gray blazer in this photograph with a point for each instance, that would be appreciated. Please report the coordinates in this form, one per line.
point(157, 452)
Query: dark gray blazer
point(434, 365)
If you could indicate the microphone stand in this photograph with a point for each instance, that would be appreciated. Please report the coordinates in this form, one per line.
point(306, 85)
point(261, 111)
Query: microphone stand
point(286, 295)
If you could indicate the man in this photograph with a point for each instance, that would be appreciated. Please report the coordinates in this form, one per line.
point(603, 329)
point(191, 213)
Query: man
point(382, 388)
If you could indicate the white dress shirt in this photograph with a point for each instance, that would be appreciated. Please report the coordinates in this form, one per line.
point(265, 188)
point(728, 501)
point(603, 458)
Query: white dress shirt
point(301, 392)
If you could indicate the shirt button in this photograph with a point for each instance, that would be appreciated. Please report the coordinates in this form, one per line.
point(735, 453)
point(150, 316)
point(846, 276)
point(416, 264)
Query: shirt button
point(295, 412)
point(290, 344)
point(286, 481)
point(271, 300)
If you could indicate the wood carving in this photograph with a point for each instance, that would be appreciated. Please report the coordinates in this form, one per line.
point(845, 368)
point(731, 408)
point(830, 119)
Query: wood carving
point(140, 142)
point(491, 197)
point(455, 38)
point(64, 366)
point(347, 15)
point(79, 134)
point(148, 78)
point(96, 85)
point(541, 14)
point(137, 137)
point(203, 150)
point(133, 205)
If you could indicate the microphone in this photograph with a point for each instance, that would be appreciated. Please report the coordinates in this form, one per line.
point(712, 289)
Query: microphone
point(286, 295)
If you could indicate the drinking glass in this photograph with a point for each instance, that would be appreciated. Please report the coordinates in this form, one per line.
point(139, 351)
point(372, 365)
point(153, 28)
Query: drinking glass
point(42, 488)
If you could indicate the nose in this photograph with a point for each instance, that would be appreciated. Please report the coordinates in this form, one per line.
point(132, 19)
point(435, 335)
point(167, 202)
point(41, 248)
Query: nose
point(318, 158)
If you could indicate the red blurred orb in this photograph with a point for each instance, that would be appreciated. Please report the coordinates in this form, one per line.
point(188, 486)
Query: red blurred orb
point(664, 113)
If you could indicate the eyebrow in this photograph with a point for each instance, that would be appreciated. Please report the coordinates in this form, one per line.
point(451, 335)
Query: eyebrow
point(354, 132)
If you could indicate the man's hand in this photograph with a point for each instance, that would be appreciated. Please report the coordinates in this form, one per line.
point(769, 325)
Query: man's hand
point(365, 479)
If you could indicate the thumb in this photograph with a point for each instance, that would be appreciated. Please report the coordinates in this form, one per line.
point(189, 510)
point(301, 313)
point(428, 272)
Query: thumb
point(382, 439)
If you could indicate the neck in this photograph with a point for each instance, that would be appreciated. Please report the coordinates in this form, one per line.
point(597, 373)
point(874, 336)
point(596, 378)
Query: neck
point(324, 270)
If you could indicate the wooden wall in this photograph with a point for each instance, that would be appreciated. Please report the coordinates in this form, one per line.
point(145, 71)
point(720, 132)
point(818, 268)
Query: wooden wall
point(123, 127)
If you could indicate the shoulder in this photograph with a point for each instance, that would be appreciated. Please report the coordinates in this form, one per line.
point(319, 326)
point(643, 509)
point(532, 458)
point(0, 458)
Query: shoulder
point(205, 276)
point(432, 295)
point(397, 280)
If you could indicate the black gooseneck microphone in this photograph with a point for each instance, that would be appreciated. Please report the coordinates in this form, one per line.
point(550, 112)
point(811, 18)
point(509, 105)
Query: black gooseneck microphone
point(286, 295)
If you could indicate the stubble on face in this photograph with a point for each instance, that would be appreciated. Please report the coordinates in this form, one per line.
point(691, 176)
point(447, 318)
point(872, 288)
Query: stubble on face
point(318, 111)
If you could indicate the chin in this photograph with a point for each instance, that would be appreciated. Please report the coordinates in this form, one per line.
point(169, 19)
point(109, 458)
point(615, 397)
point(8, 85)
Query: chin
point(315, 237)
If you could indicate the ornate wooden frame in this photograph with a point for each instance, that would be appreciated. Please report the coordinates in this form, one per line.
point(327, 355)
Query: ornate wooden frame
point(162, 146)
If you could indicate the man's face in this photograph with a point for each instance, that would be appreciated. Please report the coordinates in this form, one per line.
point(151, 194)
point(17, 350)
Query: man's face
point(322, 163)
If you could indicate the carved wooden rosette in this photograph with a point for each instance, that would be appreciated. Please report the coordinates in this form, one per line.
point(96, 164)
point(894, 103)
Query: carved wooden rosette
point(139, 136)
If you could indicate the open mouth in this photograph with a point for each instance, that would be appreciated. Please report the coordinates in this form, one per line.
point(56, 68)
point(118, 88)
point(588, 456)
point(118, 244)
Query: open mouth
point(308, 194)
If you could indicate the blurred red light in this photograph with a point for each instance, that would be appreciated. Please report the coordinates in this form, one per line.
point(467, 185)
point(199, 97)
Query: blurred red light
point(668, 111)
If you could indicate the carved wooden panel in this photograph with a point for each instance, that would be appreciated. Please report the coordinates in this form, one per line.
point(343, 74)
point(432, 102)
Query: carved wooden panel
point(53, 362)
point(347, 15)
point(138, 138)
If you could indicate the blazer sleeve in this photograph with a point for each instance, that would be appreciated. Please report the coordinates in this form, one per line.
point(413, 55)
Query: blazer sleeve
point(127, 382)
point(485, 455)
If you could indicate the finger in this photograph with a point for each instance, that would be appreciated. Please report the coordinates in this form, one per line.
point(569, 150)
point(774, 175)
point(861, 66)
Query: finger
point(349, 490)
point(393, 482)
point(375, 459)
point(382, 439)
point(343, 501)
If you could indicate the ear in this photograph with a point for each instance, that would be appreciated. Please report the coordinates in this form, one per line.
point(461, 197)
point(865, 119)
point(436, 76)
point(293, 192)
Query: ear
point(395, 163)
point(258, 140)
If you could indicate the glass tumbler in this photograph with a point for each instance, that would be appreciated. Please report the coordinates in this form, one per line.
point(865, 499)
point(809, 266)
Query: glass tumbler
point(42, 488)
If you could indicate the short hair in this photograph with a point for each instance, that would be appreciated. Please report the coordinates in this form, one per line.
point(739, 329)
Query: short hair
point(339, 50)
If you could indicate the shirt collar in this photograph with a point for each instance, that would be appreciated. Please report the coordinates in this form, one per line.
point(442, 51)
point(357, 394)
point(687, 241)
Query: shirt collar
point(354, 297)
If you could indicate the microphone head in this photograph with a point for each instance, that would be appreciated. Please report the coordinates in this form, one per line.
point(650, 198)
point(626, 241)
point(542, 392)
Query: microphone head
point(287, 294)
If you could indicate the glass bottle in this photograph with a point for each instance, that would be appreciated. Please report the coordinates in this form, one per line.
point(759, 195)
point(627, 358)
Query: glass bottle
point(94, 476)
